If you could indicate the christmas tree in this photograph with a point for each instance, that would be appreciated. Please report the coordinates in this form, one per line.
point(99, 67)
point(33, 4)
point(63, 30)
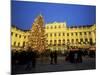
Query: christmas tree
point(37, 36)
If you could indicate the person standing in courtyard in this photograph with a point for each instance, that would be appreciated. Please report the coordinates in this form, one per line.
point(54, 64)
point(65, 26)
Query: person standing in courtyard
point(51, 57)
point(55, 57)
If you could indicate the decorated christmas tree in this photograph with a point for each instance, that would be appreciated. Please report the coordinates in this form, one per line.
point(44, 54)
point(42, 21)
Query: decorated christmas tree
point(37, 37)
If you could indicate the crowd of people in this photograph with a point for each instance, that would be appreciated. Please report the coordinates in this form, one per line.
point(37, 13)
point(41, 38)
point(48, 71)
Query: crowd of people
point(29, 57)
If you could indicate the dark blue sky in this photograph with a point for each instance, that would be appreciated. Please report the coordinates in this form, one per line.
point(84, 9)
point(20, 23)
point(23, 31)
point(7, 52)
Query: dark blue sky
point(23, 13)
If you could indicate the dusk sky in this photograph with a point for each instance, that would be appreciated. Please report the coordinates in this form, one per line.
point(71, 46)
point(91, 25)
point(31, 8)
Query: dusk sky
point(23, 13)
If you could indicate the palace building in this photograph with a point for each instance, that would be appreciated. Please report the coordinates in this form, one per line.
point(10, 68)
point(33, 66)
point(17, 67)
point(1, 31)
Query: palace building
point(59, 36)
point(62, 37)
point(19, 38)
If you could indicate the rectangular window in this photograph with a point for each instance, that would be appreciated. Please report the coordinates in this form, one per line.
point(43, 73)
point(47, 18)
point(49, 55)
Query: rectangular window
point(84, 33)
point(16, 35)
point(11, 33)
point(76, 34)
point(51, 34)
point(63, 34)
point(59, 34)
point(71, 34)
point(19, 36)
point(55, 34)
point(80, 33)
point(67, 34)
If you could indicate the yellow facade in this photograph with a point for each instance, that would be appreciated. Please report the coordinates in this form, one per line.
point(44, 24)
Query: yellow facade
point(62, 37)
point(59, 36)
point(19, 38)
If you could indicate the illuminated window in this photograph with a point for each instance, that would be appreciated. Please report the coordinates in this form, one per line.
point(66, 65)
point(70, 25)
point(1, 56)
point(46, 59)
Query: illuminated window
point(72, 34)
point(84, 33)
point(16, 35)
point(50, 40)
point(81, 40)
point(55, 27)
point(19, 36)
point(89, 33)
point(55, 41)
point(86, 39)
point(63, 34)
point(63, 41)
point(14, 43)
point(51, 27)
point(18, 44)
point(11, 33)
point(67, 40)
point(76, 34)
point(23, 43)
point(59, 34)
point(54, 34)
point(67, 34)
point(76, 40)
point(59, 41)
point(80, 33)
point(59, 26)
point(72, 40)
point(51, 34)
point(24, 37)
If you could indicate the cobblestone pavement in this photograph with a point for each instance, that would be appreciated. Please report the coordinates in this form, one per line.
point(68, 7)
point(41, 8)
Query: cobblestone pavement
point(62, 65)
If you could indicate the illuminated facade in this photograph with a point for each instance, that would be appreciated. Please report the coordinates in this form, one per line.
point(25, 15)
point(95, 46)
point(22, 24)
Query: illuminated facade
point(58, 36)
point(62, 37)
point(19, 38)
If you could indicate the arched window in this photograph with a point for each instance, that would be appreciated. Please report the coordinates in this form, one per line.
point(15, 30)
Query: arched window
point(18, 44)
point(24, 44)
point(55, 27)
point(15, 43)
point(59, 26)
point(51, 27)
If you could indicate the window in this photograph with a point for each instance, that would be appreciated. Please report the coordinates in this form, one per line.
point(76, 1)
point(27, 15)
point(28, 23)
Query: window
point(47, 35)
point(84, 33)
point(11, 33)
point(55, 27)
point(16, 35)
point(55, 41)
point(50, 41)
point(80, 33)
point(51, 27)
point(23, 43)
point(24, 37)
point(18, 44)
point(63, 41)
point(76, 40)
point(63, 34)
point(59, 34)
point(86, 39)
point(67, 39)
point(51, 34)
point(14, 43)
point(72, 34)
point(19, 36)
point(46, 40)
point(76, 34)
point(67, 34)
point(59, 26)
point(81, 40)
point(72, 40)
point(89, 33)
point(59, 41)
point(54, 34)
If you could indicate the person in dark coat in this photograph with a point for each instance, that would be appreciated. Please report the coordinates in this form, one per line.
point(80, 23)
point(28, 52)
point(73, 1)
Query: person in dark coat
point(51, 57)
point(55, 57)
